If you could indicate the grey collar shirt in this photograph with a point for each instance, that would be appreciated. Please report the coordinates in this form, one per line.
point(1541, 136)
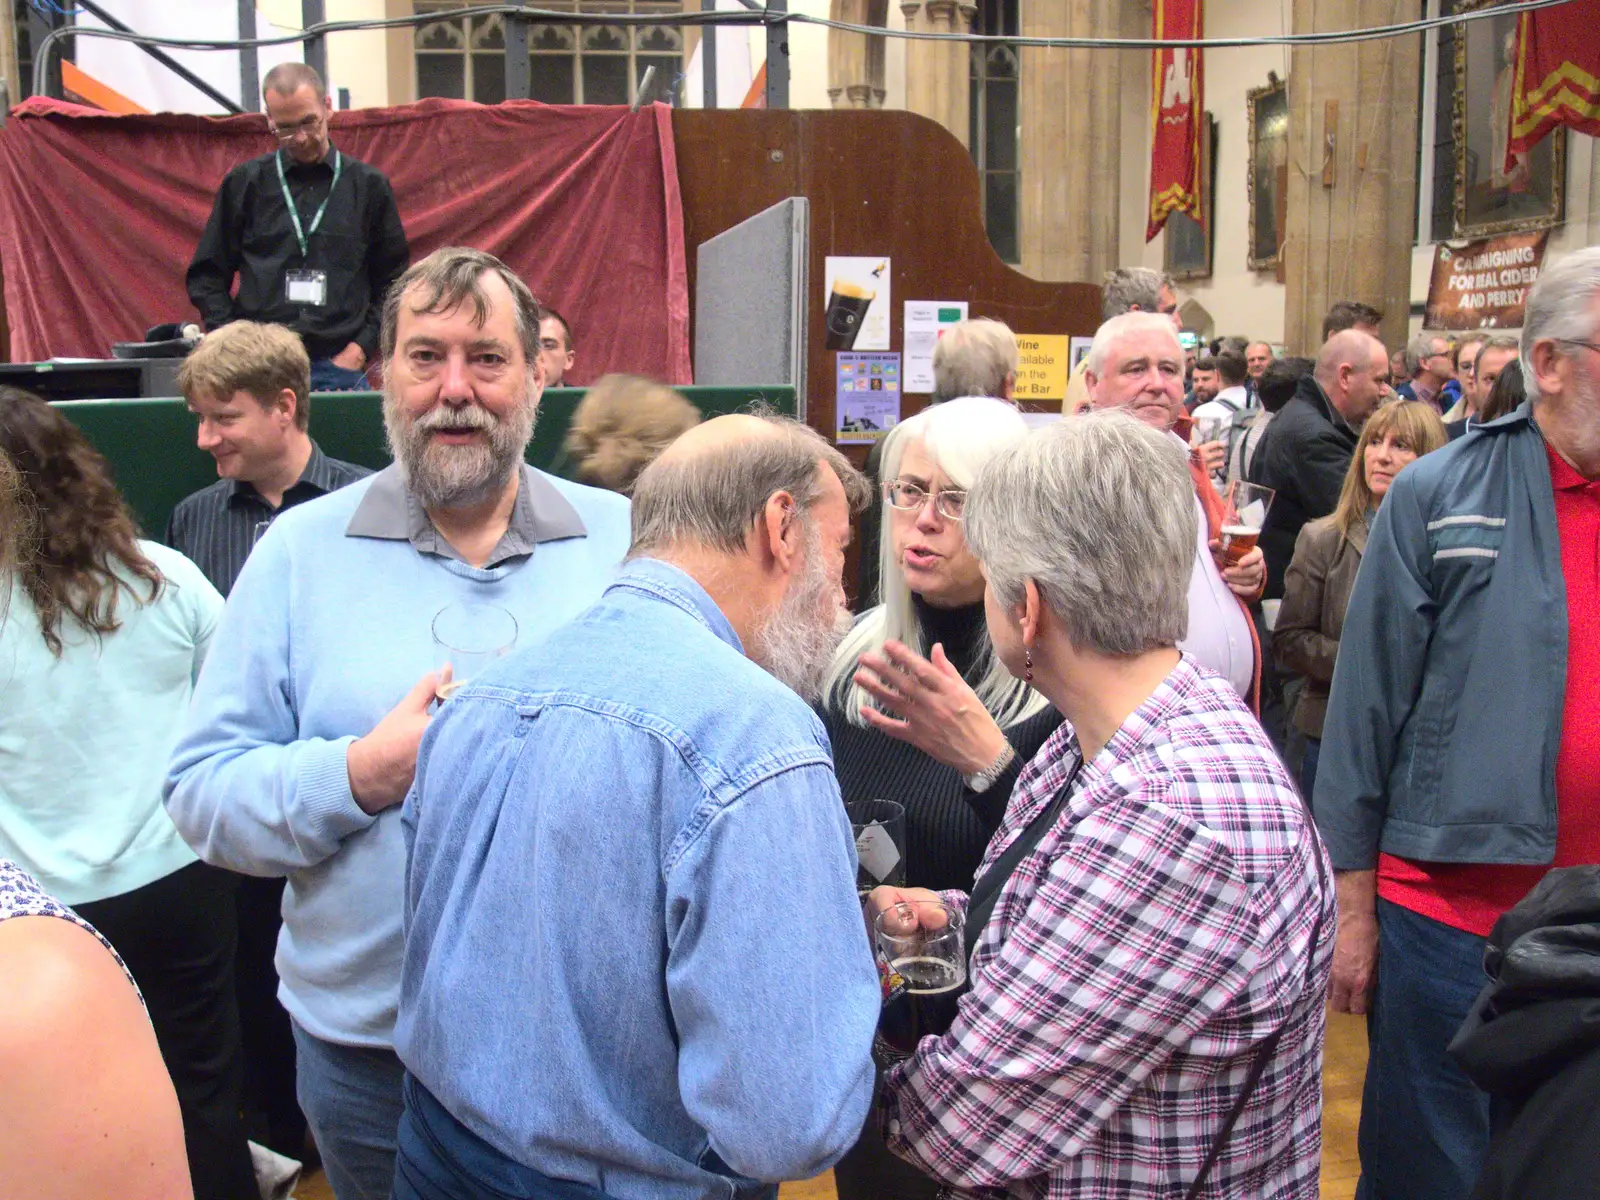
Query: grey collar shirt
point(392, 511)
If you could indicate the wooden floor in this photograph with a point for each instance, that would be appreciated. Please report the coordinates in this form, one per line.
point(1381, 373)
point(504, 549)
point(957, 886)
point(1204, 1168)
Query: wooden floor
point(1341, 1108)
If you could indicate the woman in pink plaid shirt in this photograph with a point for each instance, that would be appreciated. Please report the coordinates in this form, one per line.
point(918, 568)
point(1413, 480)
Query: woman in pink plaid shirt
point(1150, 933)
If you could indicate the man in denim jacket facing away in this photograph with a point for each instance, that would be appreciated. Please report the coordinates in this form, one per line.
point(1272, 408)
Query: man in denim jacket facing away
point(1461, 756)
point(635, 962)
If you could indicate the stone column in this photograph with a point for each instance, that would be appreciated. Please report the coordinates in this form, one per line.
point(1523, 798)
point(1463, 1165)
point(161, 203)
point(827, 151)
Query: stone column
point(1351, 240)
point(855, 60)
point(1070, 186)
point(938, 74)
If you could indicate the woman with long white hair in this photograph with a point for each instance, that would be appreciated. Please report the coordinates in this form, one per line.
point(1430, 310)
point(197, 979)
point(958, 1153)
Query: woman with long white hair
point(919, 709)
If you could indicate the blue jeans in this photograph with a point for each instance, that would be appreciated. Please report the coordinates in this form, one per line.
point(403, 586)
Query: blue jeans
point(1308, 766)
point(1424, 1125)
point(352, 1099)
point(327, 377)
point(441, 1159)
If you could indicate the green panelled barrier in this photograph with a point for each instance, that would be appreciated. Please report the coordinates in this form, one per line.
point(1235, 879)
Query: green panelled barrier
point(151, 443)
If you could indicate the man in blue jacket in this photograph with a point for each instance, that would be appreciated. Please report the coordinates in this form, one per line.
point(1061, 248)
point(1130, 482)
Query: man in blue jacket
point(1461, 755)
point(635, 961)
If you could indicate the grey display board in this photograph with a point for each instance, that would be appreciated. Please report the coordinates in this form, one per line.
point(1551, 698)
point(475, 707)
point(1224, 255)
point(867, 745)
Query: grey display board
point(750, 302)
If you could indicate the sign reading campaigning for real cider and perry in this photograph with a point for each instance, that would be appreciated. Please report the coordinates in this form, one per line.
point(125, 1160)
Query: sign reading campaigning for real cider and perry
point(1042, 366)
point(1484, 285)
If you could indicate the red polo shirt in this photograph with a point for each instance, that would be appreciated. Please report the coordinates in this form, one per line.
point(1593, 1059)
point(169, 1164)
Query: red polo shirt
point(1471, 896)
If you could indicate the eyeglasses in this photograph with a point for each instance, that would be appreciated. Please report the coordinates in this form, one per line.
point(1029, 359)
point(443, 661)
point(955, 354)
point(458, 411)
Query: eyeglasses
point(1595, 346)
point(287, 133)
point(906, 496)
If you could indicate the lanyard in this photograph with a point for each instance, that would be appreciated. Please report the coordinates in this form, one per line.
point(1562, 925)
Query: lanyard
point(303, 236)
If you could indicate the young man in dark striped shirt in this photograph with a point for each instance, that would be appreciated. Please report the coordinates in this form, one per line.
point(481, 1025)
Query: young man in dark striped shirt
point(249, 385)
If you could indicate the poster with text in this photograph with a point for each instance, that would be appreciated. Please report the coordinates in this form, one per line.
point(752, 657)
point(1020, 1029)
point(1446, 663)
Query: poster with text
point(855, 313)
point(868, 397)
point(1042, 366)
point(926, 321)
point(1484, 284)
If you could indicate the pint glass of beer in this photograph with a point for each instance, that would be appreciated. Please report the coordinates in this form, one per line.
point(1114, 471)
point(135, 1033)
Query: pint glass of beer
point(922, 954)
point(847, 308)
point(1244, 511)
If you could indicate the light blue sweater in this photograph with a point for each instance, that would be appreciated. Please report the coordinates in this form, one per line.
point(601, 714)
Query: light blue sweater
point(84, 738)
point(323, 634)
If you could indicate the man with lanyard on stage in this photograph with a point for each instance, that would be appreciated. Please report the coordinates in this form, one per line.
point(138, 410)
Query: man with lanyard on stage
point(312, 234)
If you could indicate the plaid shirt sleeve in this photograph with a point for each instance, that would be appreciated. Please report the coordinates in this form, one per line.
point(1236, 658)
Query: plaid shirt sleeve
point(1140, 931)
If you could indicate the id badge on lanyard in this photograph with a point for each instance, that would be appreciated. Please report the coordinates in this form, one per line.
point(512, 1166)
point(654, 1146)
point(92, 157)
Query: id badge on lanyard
point(306, 286)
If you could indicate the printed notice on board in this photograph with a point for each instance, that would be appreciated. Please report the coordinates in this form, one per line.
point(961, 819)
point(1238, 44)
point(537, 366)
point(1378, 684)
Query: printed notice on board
point(868, 403)
point(1042, 366)
point(855, 315)
point(926, 321)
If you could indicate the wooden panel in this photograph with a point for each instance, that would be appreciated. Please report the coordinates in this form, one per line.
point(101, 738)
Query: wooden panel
point(880, 183)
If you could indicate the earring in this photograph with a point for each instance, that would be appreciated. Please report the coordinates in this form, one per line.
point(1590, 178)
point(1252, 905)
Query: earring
point(1027, 665)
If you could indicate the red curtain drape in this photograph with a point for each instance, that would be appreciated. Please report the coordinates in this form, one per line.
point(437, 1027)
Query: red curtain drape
point(99, 215)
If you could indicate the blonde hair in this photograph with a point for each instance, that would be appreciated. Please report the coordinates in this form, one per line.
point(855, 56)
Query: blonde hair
point(1415, 426)
point(248, 356)
point(960, 436)
point(621, 425)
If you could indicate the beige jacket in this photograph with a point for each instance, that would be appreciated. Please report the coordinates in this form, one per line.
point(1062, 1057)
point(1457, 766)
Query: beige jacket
point(1316, 591)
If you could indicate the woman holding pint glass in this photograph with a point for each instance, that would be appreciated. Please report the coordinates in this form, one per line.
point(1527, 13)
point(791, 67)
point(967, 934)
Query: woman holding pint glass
point(1147, 945)
point(1327, 555)
point(921, 714)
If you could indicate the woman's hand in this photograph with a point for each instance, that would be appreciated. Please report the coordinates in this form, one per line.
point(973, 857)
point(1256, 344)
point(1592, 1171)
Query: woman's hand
point(929, 706)
point(905, 906)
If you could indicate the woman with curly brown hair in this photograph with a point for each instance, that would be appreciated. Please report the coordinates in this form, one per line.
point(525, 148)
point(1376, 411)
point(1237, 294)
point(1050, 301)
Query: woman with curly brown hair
point(98, 656)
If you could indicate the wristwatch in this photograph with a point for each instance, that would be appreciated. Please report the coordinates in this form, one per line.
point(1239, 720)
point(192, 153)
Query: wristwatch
point(983, 780)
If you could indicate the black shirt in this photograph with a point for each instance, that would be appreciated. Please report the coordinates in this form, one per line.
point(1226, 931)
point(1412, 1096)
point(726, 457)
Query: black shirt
point(1303, 457)
point(360, 244)
point(218, 526)
point(948, 826)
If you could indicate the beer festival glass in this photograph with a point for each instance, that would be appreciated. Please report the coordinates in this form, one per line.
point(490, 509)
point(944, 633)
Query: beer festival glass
point(1244, 512)
point(922, 944)
point(468, 637)
point(879, 827)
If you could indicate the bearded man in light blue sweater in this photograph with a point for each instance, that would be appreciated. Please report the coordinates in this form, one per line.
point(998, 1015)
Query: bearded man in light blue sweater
point(302, 737)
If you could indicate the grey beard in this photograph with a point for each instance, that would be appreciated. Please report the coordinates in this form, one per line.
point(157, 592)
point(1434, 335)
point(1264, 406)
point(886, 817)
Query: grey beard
point(797, 641)
point(457, 476)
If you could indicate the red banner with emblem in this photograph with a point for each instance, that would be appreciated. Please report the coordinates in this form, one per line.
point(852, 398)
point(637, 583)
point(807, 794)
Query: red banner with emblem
point(1177, 100)
point(1557, 80)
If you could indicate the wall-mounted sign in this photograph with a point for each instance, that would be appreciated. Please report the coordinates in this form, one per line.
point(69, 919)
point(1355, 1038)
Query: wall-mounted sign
point(1484, 284)
point(1042, 366)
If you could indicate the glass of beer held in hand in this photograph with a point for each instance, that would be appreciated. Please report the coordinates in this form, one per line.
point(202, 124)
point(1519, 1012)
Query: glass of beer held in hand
point(1244, 511)
point(922, 961)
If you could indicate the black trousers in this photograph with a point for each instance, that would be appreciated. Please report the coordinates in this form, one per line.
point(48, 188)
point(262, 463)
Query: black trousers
point(177, 936)
point(272, 1114)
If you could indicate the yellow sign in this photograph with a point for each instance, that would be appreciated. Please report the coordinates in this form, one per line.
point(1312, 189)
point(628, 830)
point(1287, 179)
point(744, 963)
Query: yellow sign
point(1042, 366)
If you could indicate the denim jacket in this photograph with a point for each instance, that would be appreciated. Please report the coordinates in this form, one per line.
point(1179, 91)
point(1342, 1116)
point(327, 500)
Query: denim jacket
point(634, 954)
point(1444, 721)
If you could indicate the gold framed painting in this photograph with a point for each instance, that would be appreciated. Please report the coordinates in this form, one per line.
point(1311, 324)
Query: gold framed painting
point(1490, 196)
point(1268, 109)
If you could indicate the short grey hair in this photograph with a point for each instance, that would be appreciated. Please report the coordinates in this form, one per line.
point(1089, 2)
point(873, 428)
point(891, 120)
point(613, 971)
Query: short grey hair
point(1099, 511)
point(1420, 348)
point(1561, 305)
point(714, 498)
point(452, 276)
point(287, 78)
point(1119, 327)
point(973, 358)
point(1125, 288)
